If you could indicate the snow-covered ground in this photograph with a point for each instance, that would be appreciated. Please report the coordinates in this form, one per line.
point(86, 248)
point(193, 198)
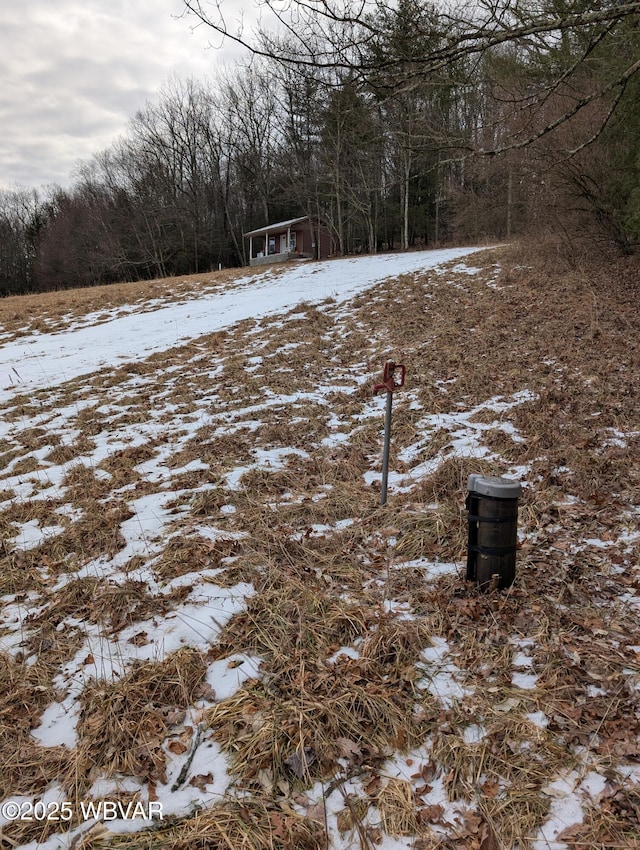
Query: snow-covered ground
point(99, 391)
point(44, 360)
point(44, 364)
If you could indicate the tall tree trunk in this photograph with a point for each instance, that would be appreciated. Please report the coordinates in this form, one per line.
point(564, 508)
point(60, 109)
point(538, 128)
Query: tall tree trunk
point(405, 205)
point(436, 226)
point(509, 203)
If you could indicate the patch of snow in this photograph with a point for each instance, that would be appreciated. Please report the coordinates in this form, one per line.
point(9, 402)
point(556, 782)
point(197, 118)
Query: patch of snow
point(566, 810)
point(593, 784)
point(31, 534)
point(521, 660)
point(465, 440)
point(58, 724)
point(538, 718)
point(432, 568)
point(473, 734)
point(227, 675)
point(343, 652)
point(440, 674)
point(526, 681)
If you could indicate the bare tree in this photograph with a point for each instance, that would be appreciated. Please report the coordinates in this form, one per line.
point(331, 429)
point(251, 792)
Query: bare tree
point(249, 103)
point(22, 216)
point(341, 35)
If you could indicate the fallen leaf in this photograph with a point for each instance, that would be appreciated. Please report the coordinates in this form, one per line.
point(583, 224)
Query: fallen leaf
point(490, 788)
point(278, 825)
point(571, 832)
point(205, 691)
point(372, 785)
point(172, 716)
point(426, 772)
point(300, 761)
point(317, 812)
point(507, 704)
point(265, 778)
point(431, 814)
point(283, 787)
point(177, 748)
point(488, 840)
point(423, 790)
point(201, 781)
point(472, 822)
point(344, 821)
point(400, 739)
point(348, 748)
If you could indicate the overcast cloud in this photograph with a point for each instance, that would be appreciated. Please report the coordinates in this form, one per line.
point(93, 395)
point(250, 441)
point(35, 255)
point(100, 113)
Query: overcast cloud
point(73, 72)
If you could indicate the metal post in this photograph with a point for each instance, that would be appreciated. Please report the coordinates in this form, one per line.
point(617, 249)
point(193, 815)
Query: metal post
point(389, 383)
point(385, 449)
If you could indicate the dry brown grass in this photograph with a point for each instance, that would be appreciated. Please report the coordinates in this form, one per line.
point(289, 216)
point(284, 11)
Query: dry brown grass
point(19, 573)
point(54, 311)
point(27, 689)
point(505, 770)
point(123, 724)
point(251, 823)
point(613, 823)
point(294, 732)
point(571, 339)
point(191, 555)
point(96, 532)
point(121, 464)
point(107, 603)
point(82, 485)
point(289, 726)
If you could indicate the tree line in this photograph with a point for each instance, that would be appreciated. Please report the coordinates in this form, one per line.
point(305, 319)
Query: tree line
point(394, 125)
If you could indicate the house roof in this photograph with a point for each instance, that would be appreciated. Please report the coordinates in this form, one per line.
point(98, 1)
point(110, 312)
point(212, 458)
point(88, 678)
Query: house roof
point(281, 225)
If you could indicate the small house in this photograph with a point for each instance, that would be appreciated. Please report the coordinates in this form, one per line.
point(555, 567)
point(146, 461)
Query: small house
point(298, 238)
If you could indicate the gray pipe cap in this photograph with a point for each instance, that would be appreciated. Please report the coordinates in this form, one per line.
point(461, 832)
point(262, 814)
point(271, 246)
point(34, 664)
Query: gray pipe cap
point(494, 486)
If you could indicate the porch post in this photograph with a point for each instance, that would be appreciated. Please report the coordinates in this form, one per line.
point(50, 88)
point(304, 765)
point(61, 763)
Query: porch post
point(250, 249)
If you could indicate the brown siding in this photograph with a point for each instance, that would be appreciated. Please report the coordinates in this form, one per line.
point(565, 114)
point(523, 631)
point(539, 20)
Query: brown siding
point(300, 239)
point(306, 235)
point(310, 235)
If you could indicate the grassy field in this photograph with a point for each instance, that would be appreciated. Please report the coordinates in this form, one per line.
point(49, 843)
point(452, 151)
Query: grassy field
point(204, 605)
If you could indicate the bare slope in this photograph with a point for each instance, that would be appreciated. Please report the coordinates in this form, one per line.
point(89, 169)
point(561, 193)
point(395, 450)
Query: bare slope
point(204, 606)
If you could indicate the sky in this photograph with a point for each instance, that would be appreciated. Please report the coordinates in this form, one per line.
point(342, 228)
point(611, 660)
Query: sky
point(73, 72)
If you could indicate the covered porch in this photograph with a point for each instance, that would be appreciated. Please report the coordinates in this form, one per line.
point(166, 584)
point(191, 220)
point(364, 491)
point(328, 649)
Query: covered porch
point(284, 240)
